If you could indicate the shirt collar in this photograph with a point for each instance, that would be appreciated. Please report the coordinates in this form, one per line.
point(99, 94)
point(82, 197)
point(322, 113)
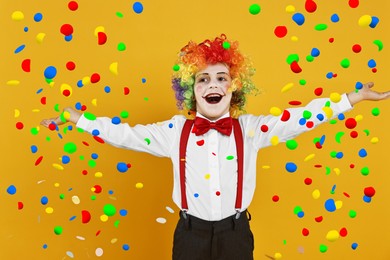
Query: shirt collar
point(202, 116)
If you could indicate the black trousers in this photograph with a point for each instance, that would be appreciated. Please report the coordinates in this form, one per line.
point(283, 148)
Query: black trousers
point(227, 239)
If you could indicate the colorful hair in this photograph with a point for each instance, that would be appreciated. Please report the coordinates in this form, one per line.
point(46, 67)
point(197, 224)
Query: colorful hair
point(194, 57)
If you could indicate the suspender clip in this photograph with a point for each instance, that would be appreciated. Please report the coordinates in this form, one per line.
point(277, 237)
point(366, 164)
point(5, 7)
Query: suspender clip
point(184, 214)
point(238, 213)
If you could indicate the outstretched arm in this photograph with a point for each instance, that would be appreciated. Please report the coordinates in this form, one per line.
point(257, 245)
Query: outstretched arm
point(68, 115)
point(366, 93)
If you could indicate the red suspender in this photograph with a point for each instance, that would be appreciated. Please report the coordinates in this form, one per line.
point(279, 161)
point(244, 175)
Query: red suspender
point(240, 161)
point(185, 133)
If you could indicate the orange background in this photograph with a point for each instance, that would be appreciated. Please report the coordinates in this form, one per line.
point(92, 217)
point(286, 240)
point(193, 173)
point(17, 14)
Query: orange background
point(152, 39)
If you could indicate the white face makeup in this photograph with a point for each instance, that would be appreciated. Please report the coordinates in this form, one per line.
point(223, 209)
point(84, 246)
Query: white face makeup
point(212, 92)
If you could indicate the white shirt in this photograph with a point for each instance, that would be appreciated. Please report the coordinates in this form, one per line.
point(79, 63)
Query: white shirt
point(211, 165)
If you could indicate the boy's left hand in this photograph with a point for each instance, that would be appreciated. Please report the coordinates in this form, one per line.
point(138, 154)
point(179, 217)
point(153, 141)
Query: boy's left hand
point(366, 93)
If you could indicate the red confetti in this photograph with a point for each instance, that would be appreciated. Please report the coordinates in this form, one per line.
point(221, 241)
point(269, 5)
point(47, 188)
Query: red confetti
point(20, 205)
point(354, 134)
point(352, 166)
point(52, 126)
point(346, 195)
point(85, 216)
point(43, 100)
point(285, 116)
point(98, 139)
point(308, 181)
point(310, 6)
point(275, 198)
point(309, 124)
point(85, 143)
point(218, 193)
point(264, 128)
point(353, 3)
point(26, 65)
point(102, 38)
point(126, 91)
point(295, 103)
point(38, 161)
point(374, 70)
point(305, 232)
point(98, 188)
point(95, 77)
point(319, 219)
point(331, 40)
point(350, 123)
point(66, 92)
point(70, 65)
point(83, 107)
point(295, 67)
point(200, 142)
point(84, 172)
point(334, 75)
point(98, 233)
point(19, 125)
point(318, 145)
point(318, 165)
point(280, 31)
point(128, 165)
point(356, 48)
point(66, 29)
point(73, 5)
point(318, 91)
point(343, 232)
point(369, 192)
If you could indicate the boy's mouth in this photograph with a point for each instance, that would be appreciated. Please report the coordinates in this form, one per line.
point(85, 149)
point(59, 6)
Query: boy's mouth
point(213, 98)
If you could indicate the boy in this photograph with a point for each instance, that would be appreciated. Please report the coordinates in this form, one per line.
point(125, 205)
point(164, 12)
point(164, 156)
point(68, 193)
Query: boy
point(215, 162)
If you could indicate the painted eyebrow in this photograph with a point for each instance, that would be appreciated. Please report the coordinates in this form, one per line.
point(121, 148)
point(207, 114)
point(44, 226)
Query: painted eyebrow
point(225, 73)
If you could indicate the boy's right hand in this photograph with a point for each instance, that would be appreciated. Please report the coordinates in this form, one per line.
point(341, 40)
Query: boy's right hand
point(68, 115)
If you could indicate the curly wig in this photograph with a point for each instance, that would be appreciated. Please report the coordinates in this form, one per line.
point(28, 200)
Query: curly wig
point(194, 57)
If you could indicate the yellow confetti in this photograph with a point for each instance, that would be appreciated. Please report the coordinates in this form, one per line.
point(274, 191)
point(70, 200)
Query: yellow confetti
point(36, 110)
point(114, 240)
point(17, 16)
point(98, 30)
point(328, 112)
point(64, 87)
point(16, 113)
point(339, 204)
point(40, 36)
point(139, 185)
point(287, 87)
point(266, 167)
point(294, 38)
point(98, 175)
point(337, 171)
point(76, 199)
point(207, 176)
point(332, 235)
point(309, 157)
point(290, 9)
point(275, 111)
point(359, 118)
point(275, 140)
point(66, 115)
point(94, 102)
point(278, 256)
point(316, 194)
point(365, 20)
point(104, 218)
point(58, 166)
point(374, 140)
point(335, 97)
point(13, 82)
point(49, 210)
point(114, 68)
point(86, 80)
point(56, 185)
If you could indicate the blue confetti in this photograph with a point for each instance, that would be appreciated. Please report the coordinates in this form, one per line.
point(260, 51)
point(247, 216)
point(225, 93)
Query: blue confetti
point(126, 247)
point(315, 52)
point(122, 167)
point(371, 63)
point(34, 148)
point(11, 190)
point(44, 200)
point(298, 18)
point(50, 72)
point(291, 167)
point(107, 89)
point(330, 205)
point(20, 48)
point(335, 18)
point(362, 153)
point(138, 7)
point(38, 17)
point(116, 120)
point(374, 21)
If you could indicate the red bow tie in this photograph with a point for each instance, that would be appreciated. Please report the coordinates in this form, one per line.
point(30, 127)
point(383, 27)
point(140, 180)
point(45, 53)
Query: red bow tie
point(224, 126)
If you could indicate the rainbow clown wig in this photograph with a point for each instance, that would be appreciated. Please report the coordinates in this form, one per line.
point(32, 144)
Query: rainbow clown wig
point(194, 57)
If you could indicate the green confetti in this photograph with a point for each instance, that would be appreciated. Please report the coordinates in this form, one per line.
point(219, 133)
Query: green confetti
point(375, 111)
point(116, 224)
point(92, 163)
point(176, 67)
point(109, 210)
point(62, 196)
point(321, 27)
point(121, 46)
point(378, 43)
point(34, 131)
point(226, 45)
point(327, 170)
point(307, 114)
point(365, 171)
point(291, 144)
point(70, 147)
point(302, 82)
point(297, 209)
point(291, 58)
point(119, 14)
point(309, 58)
point(57, 107)
point(89, 116)
point(58, 230)
point(229, 157)
point(345, 63)
point(333, 154)
point(254, 9)
point(147, 140)
point(367, 132)
point(323, 248)
point(93, 197)
point(352, 214)
point(124, 114)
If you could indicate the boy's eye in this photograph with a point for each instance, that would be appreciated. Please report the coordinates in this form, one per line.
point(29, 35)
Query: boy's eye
point(222, 79)
point(202, 80)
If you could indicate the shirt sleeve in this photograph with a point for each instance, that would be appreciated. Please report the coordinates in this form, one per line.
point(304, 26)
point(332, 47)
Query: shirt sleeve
point(266, 130)
point(157, 139)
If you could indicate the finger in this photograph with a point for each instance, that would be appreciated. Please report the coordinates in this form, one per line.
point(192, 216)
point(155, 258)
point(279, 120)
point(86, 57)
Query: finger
point(369, 84)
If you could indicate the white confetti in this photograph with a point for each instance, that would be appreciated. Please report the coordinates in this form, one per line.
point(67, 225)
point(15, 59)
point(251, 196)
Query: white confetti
point(161, 220)
point(170, 210)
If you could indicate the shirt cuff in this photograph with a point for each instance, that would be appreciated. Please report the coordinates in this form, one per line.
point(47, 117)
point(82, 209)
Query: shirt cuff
point(83, 122)
point(344, 103)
